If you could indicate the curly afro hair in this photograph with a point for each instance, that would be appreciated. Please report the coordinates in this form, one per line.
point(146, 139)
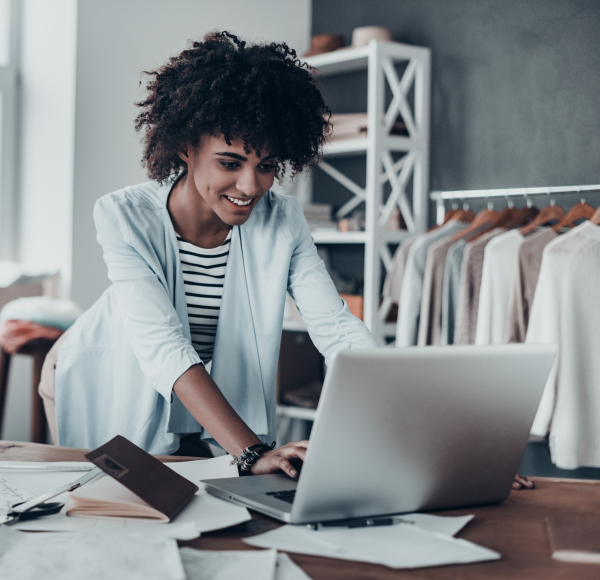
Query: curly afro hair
point(261, 93)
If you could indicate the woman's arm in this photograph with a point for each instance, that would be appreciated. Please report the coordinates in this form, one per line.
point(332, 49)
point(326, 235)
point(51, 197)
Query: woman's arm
point(331, 325)
point(203, 399)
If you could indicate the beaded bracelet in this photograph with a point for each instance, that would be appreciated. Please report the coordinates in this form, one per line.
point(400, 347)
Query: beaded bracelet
point(250, 456)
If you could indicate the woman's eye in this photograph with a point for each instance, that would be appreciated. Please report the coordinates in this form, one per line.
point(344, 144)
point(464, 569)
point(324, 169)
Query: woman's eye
point(229, 164)
point(267, 168)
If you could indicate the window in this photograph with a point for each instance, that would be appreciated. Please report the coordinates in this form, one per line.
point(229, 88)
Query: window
point(9, 116)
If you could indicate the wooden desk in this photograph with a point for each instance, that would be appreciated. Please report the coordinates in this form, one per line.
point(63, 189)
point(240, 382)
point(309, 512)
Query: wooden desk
point(514, 528)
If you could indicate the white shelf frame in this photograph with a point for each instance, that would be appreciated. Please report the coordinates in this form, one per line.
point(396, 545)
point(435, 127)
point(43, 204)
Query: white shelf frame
point(379, 59)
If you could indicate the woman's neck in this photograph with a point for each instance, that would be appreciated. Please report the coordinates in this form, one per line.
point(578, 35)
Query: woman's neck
point(192, 217)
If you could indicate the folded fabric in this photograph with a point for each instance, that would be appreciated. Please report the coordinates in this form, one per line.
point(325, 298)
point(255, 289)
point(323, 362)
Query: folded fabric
point(14, 334)
point(43, 310)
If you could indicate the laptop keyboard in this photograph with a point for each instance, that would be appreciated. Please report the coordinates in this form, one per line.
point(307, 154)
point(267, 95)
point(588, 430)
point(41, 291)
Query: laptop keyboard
point(287, 495)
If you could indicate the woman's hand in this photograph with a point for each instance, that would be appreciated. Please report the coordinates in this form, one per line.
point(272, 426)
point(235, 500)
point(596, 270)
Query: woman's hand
point(521, 482)
point(279, 459)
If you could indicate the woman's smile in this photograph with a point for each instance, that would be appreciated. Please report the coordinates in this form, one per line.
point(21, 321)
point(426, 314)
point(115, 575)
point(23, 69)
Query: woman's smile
point(241, 205)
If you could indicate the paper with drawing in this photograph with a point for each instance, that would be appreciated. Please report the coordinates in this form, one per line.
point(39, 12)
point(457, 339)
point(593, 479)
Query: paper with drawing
point(203, 513)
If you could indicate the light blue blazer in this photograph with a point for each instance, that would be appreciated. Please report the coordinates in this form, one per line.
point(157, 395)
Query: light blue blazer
point(117, 367)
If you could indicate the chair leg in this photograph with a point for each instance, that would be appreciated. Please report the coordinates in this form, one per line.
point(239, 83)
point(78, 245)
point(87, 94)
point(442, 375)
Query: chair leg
point(38, 414)
point(4, 371)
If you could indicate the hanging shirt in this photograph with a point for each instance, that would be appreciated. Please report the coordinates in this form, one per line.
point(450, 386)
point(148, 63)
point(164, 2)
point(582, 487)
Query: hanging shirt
point(499, 266)
point(394, 277)
point(203, 278)
point(565, 312)
point(527, 270)
point(430, 322)
point(409, 308)
point(470, 285)
point(450, 288)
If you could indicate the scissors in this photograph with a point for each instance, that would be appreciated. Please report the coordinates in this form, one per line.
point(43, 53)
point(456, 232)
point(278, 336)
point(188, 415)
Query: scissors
point(38, 507)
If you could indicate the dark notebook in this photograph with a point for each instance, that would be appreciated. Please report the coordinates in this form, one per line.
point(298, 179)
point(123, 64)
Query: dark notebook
point(146, 477)
point(575, 538)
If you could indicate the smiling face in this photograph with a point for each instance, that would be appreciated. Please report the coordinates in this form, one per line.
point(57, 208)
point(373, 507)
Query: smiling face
point(229, 181)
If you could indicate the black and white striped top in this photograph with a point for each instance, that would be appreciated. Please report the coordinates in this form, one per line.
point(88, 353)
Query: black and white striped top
point(203, 278)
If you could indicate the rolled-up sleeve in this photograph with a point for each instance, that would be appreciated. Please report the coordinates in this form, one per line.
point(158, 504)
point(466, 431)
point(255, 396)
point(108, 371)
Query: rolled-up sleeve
point(331, 325)
point(149, 317)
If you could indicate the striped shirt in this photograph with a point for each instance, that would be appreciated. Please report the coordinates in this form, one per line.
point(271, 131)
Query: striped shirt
point(203, 279)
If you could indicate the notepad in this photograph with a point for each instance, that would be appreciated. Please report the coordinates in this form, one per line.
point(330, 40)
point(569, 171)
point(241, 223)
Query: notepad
point(107, 498)
point(575, 538)
point(139, 486)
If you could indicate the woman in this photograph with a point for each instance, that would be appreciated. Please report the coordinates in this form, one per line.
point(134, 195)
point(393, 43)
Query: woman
point(204, 242)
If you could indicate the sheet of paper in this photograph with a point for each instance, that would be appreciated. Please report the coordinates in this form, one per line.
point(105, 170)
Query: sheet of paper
point(94, 557)
point(205, 469)
point(398, 546)
point(11, 493)
point(448, 526)
point(38, 479)
point(203, 513)
point(9, 537)
point(61, 523)
point(228, 565)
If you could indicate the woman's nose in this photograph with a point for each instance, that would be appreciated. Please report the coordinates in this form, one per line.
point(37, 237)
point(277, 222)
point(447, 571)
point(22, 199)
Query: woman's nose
point(248, 183)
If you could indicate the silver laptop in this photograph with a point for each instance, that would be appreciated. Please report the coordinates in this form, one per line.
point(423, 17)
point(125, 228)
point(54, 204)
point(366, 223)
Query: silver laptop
point(404, 430)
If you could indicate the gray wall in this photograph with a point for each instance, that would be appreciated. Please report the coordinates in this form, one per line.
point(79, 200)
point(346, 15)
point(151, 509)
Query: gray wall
point(515, 85)
point(116, 39)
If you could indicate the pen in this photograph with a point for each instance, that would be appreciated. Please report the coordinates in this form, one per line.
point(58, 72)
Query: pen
point(358, 523)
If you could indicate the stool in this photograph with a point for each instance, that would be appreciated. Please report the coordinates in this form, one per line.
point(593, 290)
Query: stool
point(37, 348)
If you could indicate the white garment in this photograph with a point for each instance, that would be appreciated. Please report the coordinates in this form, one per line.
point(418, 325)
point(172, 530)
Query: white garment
point(565, 312)
point(499, 268)
point(409, 308)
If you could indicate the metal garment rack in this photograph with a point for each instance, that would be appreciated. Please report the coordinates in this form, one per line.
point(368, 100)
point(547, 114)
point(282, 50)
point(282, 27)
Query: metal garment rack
point(441, 196)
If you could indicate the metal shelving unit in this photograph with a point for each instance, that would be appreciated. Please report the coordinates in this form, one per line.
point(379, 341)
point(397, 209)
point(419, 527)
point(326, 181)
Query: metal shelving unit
point(407, 173)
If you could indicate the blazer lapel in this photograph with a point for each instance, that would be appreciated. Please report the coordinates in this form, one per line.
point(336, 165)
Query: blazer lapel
point(236, 356)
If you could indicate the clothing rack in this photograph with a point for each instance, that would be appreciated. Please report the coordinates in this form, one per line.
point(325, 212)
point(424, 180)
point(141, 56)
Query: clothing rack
point(441, 196)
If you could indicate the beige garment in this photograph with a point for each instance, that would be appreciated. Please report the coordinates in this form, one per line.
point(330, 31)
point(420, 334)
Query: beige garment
point(470, 286)
point(46, 388)
point(528, 266)
point(430, 321)
point(393, 279)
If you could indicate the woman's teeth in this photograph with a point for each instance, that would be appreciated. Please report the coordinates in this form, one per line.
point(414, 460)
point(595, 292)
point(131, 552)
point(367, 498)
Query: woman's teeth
point(238, 201)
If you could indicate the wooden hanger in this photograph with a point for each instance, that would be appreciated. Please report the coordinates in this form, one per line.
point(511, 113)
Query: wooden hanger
point(546, 215)
point(505, 217)
point(577, 212)
point(464, 215)
point(485, 217)
point(523, 216)
point(449, 214)
point(595, 219)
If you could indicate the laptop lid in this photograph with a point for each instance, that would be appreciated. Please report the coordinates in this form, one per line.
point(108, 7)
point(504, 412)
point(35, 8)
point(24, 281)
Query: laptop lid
point(401, 430)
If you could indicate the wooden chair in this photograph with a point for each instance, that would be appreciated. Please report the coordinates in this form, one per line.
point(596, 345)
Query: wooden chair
point(37, 349)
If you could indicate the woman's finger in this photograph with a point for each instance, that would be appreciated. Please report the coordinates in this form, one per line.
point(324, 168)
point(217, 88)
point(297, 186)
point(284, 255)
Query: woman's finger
point(521, 482)
point(287, 467)
point(299, 452)
point(302, 444)
point(525, 483)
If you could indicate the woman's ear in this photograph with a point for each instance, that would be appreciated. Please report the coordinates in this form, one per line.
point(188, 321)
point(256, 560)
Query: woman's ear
point(185, 152)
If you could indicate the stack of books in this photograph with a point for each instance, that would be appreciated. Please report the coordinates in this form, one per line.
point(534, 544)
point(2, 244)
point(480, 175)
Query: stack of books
point(318, 216)
point(354, 126)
